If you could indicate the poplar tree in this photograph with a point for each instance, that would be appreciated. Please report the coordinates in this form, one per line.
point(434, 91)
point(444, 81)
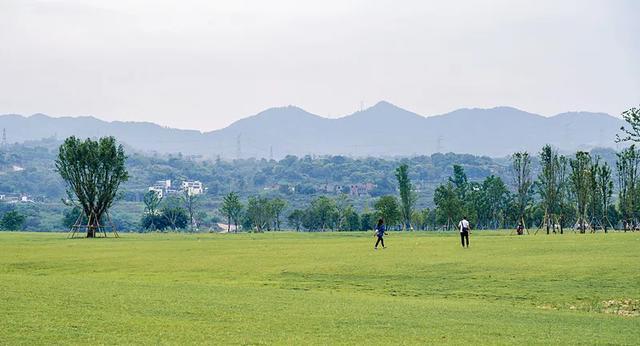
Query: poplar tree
point(93, 172)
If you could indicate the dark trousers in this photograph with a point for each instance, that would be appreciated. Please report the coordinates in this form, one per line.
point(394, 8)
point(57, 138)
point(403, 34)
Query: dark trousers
point(380, 240)
point(464, 235)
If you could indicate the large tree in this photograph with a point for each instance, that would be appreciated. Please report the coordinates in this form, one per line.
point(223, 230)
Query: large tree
point(521, 170)
point(388, 208)
point(259, 213)
point(581, 186)
point(93, 172)
point(459, 181)
point(231, 209)
point(151, 219)
point(449, 205)
point(548, 186)
point(12, 221)
point(277, 207)
point(631, 132)
point(604, 186)
point(190, 201)
point(407, 196)
point(627, 165)
point(296, 218)
point(495, 198)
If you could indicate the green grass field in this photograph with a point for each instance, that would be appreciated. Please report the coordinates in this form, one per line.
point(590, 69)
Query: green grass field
point(320, 288)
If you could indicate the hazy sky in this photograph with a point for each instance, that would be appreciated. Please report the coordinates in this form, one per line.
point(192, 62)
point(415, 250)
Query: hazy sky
point(203, 64)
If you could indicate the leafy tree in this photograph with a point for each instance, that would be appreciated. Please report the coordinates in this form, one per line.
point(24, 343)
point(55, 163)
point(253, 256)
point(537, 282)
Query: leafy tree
point(93, 172)
point(231, 209)
point(448, 204)
point(352, 220)
point(70, 216)
point(407, 197)
point(174, 214)
point(277, 207)
point(154, 222)
point(580, 182)
point(388, 208)
point(190, 201)
point(295, 218)
point(459, 181)
point(495, 198)
point(604, 186)
point(259, 213)
point(548, 185)
point(152, 202)
point(151, 218)
point(521, 169)
point(322, 213)
point(12, 221)
point(628, 161)
point(368, 220)
point(632, 133)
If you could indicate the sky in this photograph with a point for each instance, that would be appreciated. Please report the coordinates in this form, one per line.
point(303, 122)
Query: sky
point(202, 64)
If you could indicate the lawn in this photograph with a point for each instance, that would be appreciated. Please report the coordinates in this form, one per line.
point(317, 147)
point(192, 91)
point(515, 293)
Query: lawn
point(319, 288)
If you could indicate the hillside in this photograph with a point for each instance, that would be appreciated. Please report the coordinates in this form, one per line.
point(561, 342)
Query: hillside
point(381, 130)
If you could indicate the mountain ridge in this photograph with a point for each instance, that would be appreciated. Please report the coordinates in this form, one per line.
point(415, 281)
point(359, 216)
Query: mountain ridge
point(383, 129)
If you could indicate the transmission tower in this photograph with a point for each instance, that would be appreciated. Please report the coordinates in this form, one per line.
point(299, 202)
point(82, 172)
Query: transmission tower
point(4, 137)
point(271, 152)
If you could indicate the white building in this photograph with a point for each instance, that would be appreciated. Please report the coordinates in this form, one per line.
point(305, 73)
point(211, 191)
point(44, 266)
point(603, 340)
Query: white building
point(193, 187)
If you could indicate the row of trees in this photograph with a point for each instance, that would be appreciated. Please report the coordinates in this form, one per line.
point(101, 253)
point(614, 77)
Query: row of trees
point(568, 191)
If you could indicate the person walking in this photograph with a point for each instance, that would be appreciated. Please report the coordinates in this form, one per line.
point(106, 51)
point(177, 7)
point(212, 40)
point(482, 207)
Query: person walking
point(464, 227)
point(380, 233)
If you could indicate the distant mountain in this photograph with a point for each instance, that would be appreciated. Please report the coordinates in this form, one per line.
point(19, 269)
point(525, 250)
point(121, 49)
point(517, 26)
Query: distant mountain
point(382, 130)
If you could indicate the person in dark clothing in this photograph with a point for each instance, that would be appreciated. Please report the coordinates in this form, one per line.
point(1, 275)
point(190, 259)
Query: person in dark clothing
point(520, 229)
point(380, 232)
point(464, 231)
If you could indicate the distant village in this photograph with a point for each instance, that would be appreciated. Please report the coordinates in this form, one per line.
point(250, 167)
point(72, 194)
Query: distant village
point(353, 190)
point(164, 188)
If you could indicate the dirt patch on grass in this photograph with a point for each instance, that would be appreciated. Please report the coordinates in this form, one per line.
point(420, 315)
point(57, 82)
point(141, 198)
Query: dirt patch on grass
point(623, 307)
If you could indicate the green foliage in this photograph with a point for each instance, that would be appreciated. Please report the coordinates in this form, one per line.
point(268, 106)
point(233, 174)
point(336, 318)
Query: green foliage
point(259, 213)
point(93, 171)
point(521, 167)
point(296, 218)
point(12, 221)
point(632, 131)
point(407, 196)
point(175, 217)
point(628, 186)
point(448, 204)
point(231, 209)
point(581, 184)
point(322, 214)
point(277, 207)
point(387, 208)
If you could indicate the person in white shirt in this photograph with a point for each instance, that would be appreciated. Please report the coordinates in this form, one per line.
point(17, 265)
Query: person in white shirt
point(464, 231)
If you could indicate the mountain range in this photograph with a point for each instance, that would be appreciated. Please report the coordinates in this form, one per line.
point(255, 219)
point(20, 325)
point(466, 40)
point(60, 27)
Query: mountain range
point(381, 130)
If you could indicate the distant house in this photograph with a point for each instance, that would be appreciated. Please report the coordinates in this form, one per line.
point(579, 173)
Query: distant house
point(361, 189)
point(193, 187)
point(16, 198)
point(164, 188)
point(161, 187)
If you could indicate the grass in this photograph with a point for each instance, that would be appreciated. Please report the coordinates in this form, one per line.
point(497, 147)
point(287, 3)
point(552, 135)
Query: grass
point(322, 288)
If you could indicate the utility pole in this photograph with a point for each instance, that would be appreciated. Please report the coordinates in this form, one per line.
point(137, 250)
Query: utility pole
point(271, 153)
